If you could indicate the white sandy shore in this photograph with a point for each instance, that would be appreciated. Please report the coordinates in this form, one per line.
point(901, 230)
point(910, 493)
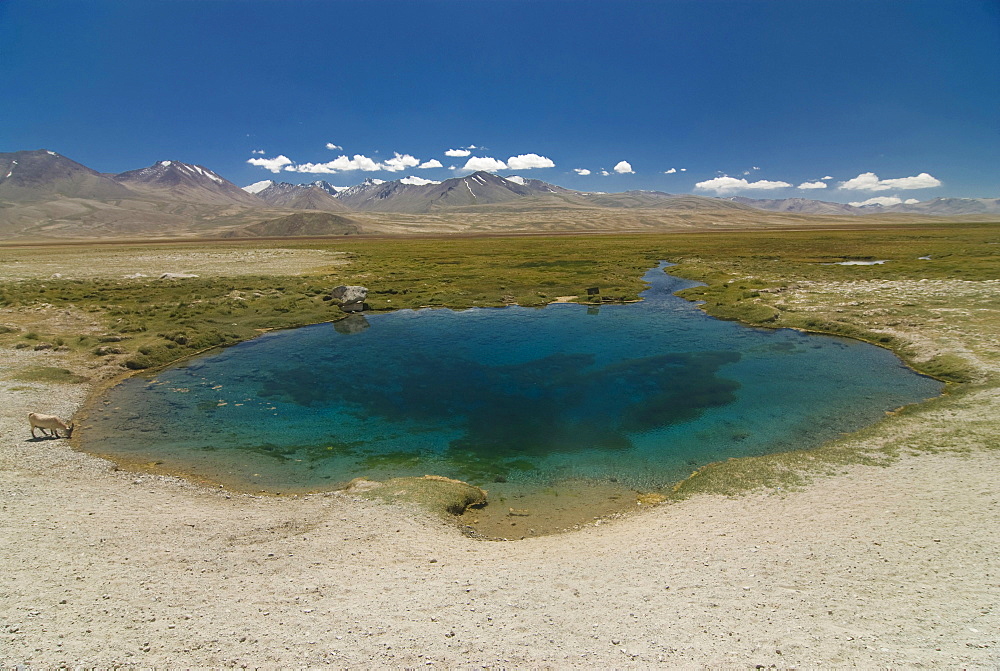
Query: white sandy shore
point(873, 567)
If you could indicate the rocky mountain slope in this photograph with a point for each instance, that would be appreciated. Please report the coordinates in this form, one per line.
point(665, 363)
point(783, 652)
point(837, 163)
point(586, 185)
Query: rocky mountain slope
point(32, 176)
point(300, 197)
point(179, 181)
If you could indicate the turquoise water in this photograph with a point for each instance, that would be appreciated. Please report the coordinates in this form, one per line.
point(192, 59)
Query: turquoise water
point(636, 394)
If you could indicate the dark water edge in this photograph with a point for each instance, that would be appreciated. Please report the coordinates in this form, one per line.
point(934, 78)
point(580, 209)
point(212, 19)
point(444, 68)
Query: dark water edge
point(564, 412)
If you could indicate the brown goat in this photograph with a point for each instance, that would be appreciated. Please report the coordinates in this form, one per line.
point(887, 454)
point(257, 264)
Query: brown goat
point(50, 422)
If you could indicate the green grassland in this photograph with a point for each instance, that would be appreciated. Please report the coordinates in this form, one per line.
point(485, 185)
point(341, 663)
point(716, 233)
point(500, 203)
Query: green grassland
point(941, 314)
point(159, 321)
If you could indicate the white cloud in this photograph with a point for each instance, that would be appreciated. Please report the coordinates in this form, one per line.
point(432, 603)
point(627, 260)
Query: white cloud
point(400, 162)
point(605, 173)
point(828, 177)
point(869, 181)
point(670, 172)
point(457, 153)
point(581, 171)
point(885, 201)
point(339, 164)
point(812, 185)
point(910, 201)
point(866, 181)
point(517, 179)
point(756, 167)
point(273, 164)
point(921, 181)
point(727, 184)
point(257, 151)
point(529, 161)
point(684, 169)
point(484, 163)
point(417, 181)
point(624, 168)
point(330, 145)
point(433, 163)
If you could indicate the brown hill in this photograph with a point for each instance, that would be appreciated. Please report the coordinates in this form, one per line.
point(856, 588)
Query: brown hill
point(312, 224)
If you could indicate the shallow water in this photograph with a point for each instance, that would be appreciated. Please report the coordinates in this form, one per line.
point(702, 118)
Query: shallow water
point(637, 395)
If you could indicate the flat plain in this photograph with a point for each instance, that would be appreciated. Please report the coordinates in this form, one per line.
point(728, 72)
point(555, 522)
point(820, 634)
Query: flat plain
point(876, 550)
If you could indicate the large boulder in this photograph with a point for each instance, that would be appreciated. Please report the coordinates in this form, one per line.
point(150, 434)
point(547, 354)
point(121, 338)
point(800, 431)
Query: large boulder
point(349, 298)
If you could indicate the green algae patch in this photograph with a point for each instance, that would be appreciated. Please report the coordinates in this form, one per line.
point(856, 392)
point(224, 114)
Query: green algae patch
point(435, 493)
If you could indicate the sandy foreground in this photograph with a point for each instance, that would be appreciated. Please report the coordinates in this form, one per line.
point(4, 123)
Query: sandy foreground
point(871, 566)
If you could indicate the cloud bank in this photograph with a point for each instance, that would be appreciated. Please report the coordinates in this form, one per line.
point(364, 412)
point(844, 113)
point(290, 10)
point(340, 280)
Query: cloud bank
point(457, 153)
point(869, 181)
point(273, 164)
point(484, 163)
point(529, 161)
point(812, 185)
point(727, 184)
point(417, 181)
point(400, 162)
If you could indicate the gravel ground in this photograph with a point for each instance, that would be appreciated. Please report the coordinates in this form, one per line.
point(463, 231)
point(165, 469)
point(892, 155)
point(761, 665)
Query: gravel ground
point(870, 567)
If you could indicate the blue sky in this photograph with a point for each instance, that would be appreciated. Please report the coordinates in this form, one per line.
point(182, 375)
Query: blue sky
point(857, 99)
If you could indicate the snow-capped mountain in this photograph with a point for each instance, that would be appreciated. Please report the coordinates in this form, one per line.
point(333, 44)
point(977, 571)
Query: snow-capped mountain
point(353, 192)
point(330, 188)
point(186, 182)
point(257, 187)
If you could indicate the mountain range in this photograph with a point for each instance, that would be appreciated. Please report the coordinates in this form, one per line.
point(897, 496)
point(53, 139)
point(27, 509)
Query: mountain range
point(46, 195)
point(948, 207)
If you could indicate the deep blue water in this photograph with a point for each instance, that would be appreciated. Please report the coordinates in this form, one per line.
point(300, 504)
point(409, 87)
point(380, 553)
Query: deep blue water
point(639, 394)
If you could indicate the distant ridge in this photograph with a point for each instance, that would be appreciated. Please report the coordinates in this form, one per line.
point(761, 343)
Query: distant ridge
point(479, 188)
point(300, 197)
point(951, 206)
point(948, 207)
point(799, 205)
